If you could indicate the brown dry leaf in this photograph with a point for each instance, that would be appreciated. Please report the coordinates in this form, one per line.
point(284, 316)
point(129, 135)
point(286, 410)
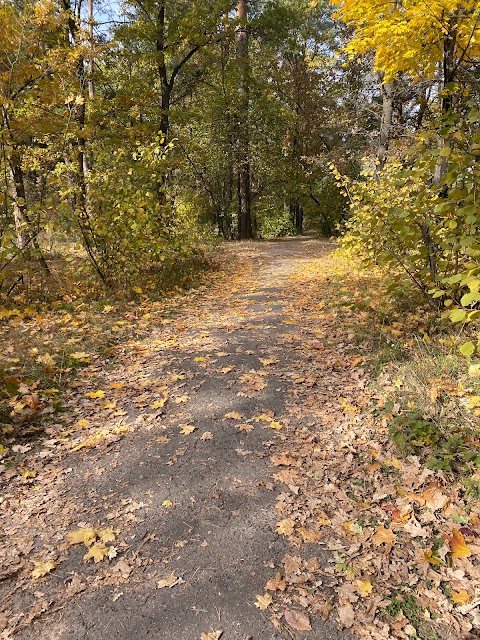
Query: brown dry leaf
point(287, 476)
point(277, 583)
point(263, 602)
point(169, 581)
point(383, 536)
point(227, 369)
point(284, 460)
point(213, 635)
point(286, 527)
point(162, 439)
point(42, 569)
point(309, 535)
point(244, 427)
point(98, 552)
point(297, 620)
point(206, 435)
point(346, 615)
point(268, 361)
point(233, 415)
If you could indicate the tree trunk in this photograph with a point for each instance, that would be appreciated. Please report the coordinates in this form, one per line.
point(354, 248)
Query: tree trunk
point(25, 233)
point(245, 230)
point(386, 90)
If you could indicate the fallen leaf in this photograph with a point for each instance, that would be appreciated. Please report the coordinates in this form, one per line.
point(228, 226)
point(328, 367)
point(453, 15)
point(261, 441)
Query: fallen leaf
point(309, 535)
point(233, 415)
point(180, 399)
point(86, 535)
point(346, 615)
point(458, 547)
point(364, 588)
point(207, 435)
point(263, 602)
point(158, 404)
point(167, 503)
point(275, 425)
point(95, 394)
point(461, 597)
point(277, 583)
point(187, 429)
point(98, 552)
point(286, 527)
point(42, 569)
point(383, 536)
point(297, 620)
point(169, 581)
point(244, 427)
point(213, 635)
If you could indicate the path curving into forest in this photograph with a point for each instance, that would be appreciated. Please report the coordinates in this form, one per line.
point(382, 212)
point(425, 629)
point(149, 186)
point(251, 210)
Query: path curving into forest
point(188, 489)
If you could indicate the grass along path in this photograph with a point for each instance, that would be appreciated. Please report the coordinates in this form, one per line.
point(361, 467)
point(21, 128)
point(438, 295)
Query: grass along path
point(232, 473)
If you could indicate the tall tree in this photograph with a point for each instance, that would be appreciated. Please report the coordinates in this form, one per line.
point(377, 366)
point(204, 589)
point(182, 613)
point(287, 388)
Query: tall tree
point(245, 229)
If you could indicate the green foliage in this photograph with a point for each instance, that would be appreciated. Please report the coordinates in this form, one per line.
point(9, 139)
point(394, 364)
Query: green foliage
point(452, 451)
point(422, 227)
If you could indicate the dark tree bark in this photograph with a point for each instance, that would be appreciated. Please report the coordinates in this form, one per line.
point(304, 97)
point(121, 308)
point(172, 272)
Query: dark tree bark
point(245, 230)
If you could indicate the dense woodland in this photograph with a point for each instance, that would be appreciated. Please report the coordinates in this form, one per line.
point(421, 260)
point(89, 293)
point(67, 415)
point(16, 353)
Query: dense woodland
point(134, 134)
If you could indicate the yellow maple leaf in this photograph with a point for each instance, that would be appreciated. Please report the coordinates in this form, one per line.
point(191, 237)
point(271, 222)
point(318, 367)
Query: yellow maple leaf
point(458, 547)
point(42, 569)
point(95, 394)
point(200, 359)
point(363, 587)
point(167, 503)
point(106, 535)
point(233, 415)
point(86, 535)
point(83, 423)
point(263, 602)
point(187, 429)
point(286, 527)
point(97, 552)
point(263, 417)
point(26, 473)
point(461, 597)
point(268, 361)
point(109, 405)
point(80, 356)
point(275, 425)
point(180, 399)
point(158, 404)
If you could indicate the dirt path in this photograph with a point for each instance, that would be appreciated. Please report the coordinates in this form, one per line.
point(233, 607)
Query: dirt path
point(183, 475)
